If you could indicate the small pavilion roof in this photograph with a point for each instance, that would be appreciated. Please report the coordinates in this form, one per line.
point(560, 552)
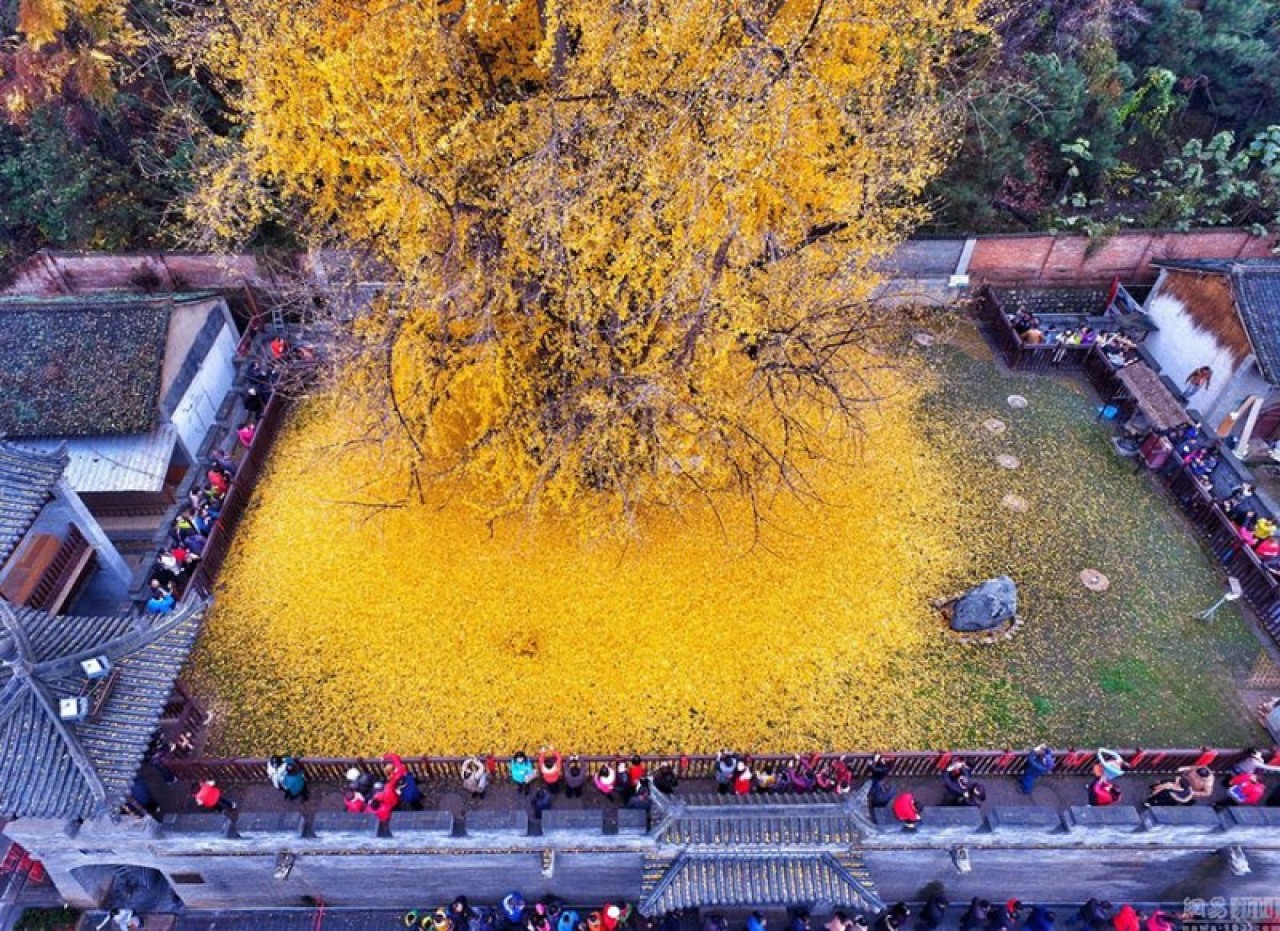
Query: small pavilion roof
point(759, 880)
point(819, 820)
point(53, 768)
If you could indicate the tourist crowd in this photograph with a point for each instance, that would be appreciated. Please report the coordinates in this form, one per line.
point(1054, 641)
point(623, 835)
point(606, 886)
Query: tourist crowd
point(1117, 347)
point(631, 783)
point(514, 913)
point(1255, 527)
point(1242, 784)
point(189, 533)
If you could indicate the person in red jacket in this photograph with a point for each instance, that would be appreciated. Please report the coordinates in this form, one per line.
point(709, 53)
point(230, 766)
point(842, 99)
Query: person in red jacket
point(353, 801)
point(397, 771)
point(218, 481)
point(1103, 792)
point(907, 810)
point(611, 916)
point(636, 770)
point(551, 768)
point(1127, 919)
point(1244, 789)
point(384, 801)
point(208, 797)
point(386, 797)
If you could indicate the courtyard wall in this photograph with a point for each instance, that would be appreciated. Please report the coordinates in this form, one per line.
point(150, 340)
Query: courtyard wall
point(1036, 854)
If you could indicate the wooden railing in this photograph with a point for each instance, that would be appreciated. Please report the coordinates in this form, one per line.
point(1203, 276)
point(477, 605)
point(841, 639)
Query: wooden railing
point(1261, 588)
point(236, 501)
point(1018, 355)
point(62, 573)
point(702, 766)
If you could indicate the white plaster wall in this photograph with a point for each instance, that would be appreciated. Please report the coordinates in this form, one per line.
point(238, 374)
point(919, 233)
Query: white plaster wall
point(198, 408)
point(1181, 347)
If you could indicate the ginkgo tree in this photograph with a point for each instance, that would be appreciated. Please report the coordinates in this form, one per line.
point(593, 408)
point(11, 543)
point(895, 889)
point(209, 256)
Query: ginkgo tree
point(632, 241)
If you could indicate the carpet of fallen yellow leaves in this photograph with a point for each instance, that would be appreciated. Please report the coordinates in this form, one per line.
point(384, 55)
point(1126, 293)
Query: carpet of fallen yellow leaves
point(341, 628)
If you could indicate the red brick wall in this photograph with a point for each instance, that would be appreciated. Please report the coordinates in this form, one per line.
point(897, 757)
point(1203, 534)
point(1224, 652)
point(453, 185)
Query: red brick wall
point(51, 273)
point(997, 259)
point(1079, 260)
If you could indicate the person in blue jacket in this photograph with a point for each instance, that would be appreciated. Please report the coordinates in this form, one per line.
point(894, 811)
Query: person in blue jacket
point(522, 772)
point(1040, 762)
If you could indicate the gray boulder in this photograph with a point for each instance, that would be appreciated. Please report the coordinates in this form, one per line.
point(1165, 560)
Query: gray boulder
point(990, 605)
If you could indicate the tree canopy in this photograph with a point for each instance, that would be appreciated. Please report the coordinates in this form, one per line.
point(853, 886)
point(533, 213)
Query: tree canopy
point(1084, 116)
point(633, 241)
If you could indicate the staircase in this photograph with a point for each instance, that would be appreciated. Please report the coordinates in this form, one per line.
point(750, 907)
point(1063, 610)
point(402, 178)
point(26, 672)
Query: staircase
point(655, 868)
point(851, 862)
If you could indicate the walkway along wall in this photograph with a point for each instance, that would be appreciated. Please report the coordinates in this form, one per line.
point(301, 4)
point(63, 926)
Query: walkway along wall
point(1028, 852)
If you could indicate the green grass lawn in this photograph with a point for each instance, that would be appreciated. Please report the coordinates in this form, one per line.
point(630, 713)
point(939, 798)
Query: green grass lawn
point(1131, 665)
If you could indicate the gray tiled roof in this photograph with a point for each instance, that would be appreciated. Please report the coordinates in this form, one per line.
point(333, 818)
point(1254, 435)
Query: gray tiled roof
point(1257, 291)
point(818, 820)
point(83, 366)
point(1255, 285)
point(1089, 302)
point(757, 881)
point(52, 768)
point(26, 484)
point(751, 829)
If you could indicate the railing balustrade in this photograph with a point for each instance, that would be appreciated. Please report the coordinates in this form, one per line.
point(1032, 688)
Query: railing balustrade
point(1071, 762)
point(236, 501)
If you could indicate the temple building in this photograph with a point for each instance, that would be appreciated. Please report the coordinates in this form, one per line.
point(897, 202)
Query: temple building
point(127, 385)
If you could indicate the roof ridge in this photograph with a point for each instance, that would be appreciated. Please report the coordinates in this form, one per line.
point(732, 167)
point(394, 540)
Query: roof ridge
point(89, 758)
point(58, 455)
point(124, 644)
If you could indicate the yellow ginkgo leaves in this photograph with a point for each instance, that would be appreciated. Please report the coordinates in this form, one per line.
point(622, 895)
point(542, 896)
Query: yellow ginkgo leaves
point(650, 231)
point(344, 626)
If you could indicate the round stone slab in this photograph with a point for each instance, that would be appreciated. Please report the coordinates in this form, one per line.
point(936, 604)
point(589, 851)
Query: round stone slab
point(994, 425)
point(1006, 461)
point(1017, 401)
point(1094, 580)
point(923, 338)
point(1016, 503)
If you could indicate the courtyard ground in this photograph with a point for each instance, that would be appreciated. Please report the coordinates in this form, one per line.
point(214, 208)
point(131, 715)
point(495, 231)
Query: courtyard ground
point(342, 628)
point(1131, 665)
